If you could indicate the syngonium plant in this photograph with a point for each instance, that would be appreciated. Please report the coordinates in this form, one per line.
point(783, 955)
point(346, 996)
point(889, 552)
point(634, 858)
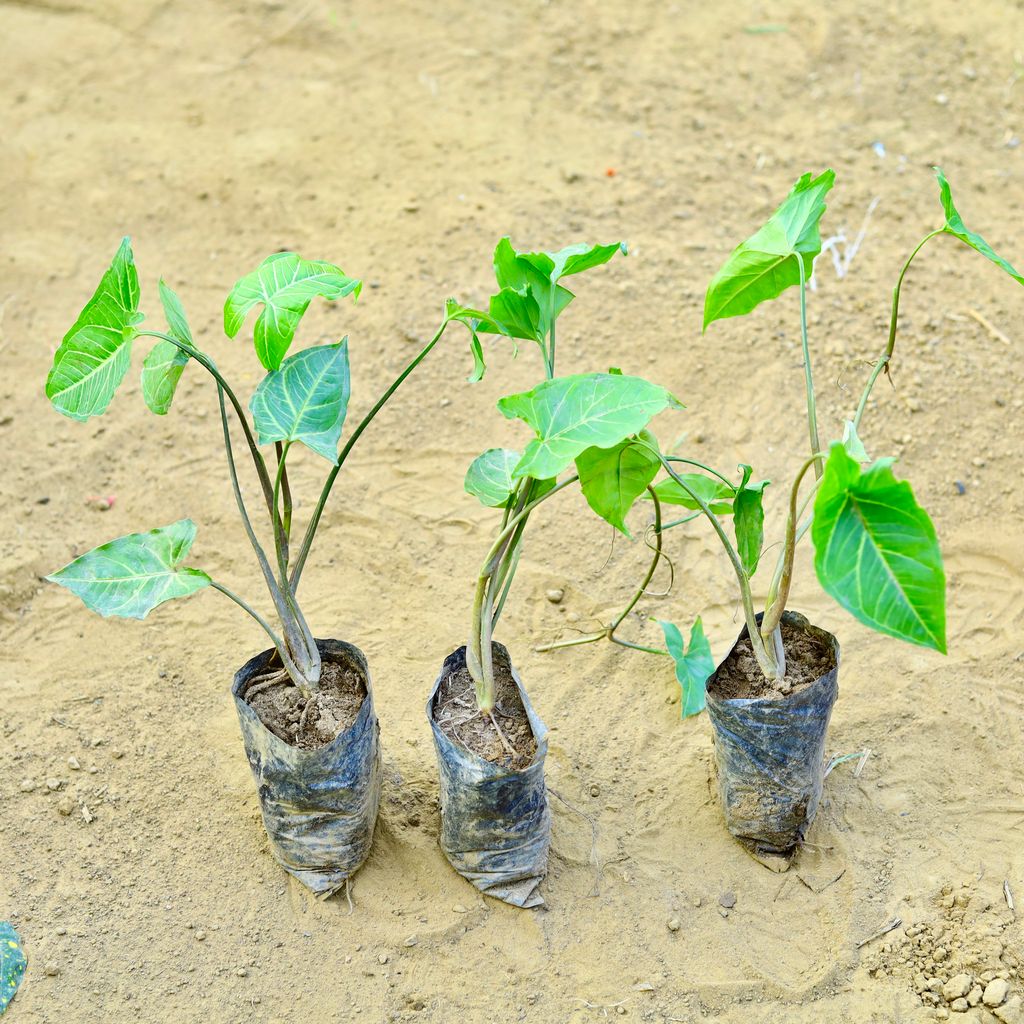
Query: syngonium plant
point(589, 429)
point(875, 548)
point(303, 399)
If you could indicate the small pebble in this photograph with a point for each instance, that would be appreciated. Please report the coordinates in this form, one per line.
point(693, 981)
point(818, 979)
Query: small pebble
point(200, 936)
point(555, 595)
point(595, 789)
point(54, 784)
point(673, 924)
point(959, 1005)
point(974, 996)
point(66, 806)
point(51, 970)
point(27, 785)
point(459, 908)
point(411, 941)
point(957, 986)
point(117, 754)
point(382, 959)
point(241, 972)
point(727, 900)
point(73, 764)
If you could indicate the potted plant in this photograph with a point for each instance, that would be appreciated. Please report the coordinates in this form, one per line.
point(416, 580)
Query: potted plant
point(490, 743)
point(305, 705)
point(876, 554)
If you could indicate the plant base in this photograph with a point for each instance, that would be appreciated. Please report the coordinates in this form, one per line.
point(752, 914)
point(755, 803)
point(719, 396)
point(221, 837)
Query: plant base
point(770, 752)
point(319, 806)
point(495, 821)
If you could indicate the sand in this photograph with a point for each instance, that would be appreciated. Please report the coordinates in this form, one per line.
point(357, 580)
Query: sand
point(401, 141)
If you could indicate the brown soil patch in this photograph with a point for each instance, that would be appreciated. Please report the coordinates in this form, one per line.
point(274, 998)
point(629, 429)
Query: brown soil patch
point(311, 724)
point(808, 658)
point(456, 712)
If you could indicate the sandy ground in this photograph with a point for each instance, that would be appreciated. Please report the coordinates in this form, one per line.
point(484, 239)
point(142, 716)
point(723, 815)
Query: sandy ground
point(401, 140)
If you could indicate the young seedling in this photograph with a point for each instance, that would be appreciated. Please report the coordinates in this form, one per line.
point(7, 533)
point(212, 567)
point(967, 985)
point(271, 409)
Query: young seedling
point(587, 425)
point(302, 400)
point(876, 551)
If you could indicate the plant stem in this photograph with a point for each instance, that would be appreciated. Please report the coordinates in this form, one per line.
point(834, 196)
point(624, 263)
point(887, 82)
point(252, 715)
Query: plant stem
point(280, 534)
point(812, 411)
point(286, 496)
point(305, 671)
point(206, 362)
point(314, 522)
point(883, 362)
point(286, 660)
point(773, 612)
point(766, 659)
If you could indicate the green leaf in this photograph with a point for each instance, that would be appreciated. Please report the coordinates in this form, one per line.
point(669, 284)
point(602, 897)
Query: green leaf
point(163, 366)
point(853, 444)
point(524, 304)
point(306, 400)
point(693, 665)
point(489, 477)
point(748, 523)
point(130, 576)
point(94, 356)
point(284, 284)
point(473, 320)
point(715, 493)
point(517, 313)
point(12, 964)
point(574, 259)
point(956, 227)
point(876, 552)
point(613, 478)
point(765, 265)
point(571, 414)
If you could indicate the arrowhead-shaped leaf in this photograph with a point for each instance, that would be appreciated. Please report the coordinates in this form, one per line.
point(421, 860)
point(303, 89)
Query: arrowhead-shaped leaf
point(94, 356)
point(765, 264)
point(693, 664)
point(306, 400)
point(572, 414)
point(574, 259)
point(853, 444)
point(956, 227)
point(876, 553)
point(489, 477)
point(527, 292)
point(163, 366)
point(284, 284)
point(12, 964)
point(748, 523)
point(130, 576)
point(715, 493)
point(613, 478)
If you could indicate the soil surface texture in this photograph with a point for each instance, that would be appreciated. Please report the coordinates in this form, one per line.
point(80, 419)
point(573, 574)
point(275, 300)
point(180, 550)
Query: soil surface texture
point(401, 140)
point(506, 738)
point(808, 658)
point(310, 724)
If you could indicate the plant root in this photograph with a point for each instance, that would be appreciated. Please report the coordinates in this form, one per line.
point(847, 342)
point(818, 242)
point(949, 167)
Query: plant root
point(305, 712)
point(501, 736)
point(265, 682)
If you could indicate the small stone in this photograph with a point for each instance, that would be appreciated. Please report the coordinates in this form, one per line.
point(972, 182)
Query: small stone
point(1010, 1012)
point(942, 99)
point(200, 936)
point(460, 908)
point(996, 992)
point(942, 1013)
point(382, 959)
point(555, 595)
point(935, 985)
point(620, 1010)
point(241, 972)
point(673, 924)
point(117, 754)
point(54, 784)
point(727, 900)
point(724, 912)
point(595, 789)
point(974, 996)
point(411, 941)
point(940, 955)
point(51, 970)
point(73, 764)
point(66, 806)
point(62, 931)
point(959, 1005)
point(27, 785)
point(957, 986)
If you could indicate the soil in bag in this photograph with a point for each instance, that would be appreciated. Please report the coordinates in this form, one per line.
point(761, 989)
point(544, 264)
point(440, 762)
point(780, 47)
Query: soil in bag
point(316, 763)
point(495, 821)
point(770, 737)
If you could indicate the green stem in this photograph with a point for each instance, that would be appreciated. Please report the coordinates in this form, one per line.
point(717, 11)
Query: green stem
point(208, 364)
point(280, 536)
point(884, 361)
point(314, 522)
point(267, 628)
point(812, 411)
point(286, 495)
point(773, 612)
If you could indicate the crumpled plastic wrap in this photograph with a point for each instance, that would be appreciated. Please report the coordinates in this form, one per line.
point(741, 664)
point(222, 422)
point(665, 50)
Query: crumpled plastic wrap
point(770, 754)
point(495, 822)
point(319, 806)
